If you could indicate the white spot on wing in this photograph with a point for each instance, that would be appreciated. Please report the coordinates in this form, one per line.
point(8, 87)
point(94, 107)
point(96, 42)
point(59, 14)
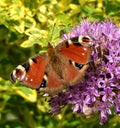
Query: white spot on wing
point(45, 77)
point(73, 63)
point(80, 39)
point(69, 41)
point(85, 49)
point(83, 54)
point(31, 61)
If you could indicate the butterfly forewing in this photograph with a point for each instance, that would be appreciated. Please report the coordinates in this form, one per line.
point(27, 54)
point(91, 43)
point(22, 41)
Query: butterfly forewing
point(75, 51)
point(31, 72)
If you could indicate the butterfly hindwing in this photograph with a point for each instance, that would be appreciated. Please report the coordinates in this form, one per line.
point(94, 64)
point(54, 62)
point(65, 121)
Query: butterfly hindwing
point(53, 82)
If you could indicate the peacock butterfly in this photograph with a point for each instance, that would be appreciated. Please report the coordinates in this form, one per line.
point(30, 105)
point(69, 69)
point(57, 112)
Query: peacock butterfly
point(59, 67)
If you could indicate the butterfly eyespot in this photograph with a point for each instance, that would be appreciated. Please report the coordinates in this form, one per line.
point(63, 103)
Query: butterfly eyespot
point(75, 39)
point(79, 66)
point(18, 72)
point(85, 39)
point(43, 84)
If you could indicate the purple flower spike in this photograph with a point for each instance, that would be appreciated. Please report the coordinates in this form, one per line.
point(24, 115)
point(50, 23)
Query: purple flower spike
point(100, 92)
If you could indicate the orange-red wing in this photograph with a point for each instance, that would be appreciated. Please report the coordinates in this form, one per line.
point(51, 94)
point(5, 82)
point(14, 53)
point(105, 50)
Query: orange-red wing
point(54, 83)
point(35, 74)
point(77, 49)
point(77, 53)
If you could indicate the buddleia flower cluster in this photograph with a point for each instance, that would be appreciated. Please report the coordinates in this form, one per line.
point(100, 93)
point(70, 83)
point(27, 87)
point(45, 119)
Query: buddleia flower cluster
point(100, 91)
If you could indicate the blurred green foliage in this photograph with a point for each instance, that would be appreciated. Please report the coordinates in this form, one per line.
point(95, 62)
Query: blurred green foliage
point(25, 28)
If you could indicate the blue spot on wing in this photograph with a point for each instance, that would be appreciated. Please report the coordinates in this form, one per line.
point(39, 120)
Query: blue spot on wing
point(43, 84)
point(79, 66)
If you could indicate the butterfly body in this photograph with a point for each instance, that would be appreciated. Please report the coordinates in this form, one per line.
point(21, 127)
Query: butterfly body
point(59, 67)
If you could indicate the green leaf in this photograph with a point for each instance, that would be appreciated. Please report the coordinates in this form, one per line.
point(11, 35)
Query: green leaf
point(36, 36)
point(35, 32)
point(26, 93)
point(63, 19)
point(29, 43)
point(29, 22)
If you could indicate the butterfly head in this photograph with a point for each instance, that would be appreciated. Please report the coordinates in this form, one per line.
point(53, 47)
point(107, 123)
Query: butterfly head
point(50, 46)
point(51, 52)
